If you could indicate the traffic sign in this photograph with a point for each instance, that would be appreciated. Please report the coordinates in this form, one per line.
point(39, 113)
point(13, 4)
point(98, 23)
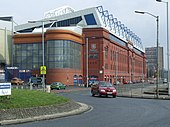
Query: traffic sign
point(43, 70)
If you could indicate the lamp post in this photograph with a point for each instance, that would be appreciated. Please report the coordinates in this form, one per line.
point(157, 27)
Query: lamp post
point(116, 66)
point(87, 69)
point(168, 80)
point(43, 55)
point(157, 43)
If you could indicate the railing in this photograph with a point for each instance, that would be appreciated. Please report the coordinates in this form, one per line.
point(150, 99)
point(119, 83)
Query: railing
point(26, 86)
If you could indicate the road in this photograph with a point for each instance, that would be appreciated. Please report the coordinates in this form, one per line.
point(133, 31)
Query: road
point(111, 112)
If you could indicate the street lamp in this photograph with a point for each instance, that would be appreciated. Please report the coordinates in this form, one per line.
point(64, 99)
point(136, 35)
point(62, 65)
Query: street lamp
point(167, 44)
point(87, 69)
point(157, 43)
point(116, 66)
point(43, 55)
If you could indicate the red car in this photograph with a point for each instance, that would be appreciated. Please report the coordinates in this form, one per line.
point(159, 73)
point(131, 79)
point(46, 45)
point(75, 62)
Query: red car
point(103, 88)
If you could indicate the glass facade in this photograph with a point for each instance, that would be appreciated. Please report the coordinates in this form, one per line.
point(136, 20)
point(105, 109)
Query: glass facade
point(69, 22)
point(63, 54)
point(28, 56)
point(58, 54)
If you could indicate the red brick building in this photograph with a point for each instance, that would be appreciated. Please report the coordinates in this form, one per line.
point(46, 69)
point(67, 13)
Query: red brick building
point(113, 61)
point(114, 52)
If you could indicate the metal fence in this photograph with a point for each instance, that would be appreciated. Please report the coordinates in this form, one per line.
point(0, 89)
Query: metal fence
point(26, 86)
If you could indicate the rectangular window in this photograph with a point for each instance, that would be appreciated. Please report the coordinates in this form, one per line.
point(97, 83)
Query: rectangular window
point(96, 56)
point(69, 22)
point(24, 53)
point(51, 64)
point(90, 55)
point(90, 20)
point(35, 65)
point(106, 54)
point(106, 66)
point(19, 59)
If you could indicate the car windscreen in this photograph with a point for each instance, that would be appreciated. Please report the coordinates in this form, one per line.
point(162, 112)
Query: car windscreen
point(105, 84)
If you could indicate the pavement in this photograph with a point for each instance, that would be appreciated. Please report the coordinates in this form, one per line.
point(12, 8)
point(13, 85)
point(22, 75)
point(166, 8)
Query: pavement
point(74, 108)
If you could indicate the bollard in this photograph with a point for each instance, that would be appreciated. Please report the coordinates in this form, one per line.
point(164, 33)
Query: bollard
point(48, 88)
point(31, 86)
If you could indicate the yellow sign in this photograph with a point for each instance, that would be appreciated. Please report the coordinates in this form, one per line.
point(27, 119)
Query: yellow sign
point(43, 70)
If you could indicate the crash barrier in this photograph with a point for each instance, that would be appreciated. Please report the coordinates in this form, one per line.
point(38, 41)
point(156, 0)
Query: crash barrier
point(142, 90)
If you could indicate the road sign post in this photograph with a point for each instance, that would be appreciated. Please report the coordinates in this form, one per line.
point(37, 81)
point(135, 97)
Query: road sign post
point(43, 71)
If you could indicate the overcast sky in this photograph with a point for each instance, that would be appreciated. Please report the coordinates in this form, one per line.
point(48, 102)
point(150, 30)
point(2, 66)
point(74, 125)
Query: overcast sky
point(142, 25)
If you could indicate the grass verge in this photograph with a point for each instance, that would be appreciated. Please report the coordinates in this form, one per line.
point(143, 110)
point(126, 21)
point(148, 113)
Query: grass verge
point(30, 98)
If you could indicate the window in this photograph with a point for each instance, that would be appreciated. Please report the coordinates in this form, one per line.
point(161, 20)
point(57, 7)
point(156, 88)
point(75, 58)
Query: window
point(28, 56)
point(93, 56)
point(69, 22)
point(115, 39)
point(106, 54)
point(63, 54)
point(90, 20)
point(58, 54)
point(106, 66)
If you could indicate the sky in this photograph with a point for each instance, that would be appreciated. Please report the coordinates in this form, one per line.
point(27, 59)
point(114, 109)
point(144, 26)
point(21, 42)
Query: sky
point(142, 25)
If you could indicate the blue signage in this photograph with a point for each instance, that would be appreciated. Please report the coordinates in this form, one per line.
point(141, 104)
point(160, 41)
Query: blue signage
point(5, 89)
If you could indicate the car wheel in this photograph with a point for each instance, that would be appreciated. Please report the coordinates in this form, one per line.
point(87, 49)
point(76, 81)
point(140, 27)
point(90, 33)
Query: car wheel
point(92, 93)
point(114, 96)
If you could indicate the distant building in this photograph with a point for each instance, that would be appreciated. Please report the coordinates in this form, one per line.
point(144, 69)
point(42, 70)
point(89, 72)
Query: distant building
point(5, 46)
point(151, 56)
point(5, 42)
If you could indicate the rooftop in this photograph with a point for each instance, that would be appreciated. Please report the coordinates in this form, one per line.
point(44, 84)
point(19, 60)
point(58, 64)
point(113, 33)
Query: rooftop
point(94, 17)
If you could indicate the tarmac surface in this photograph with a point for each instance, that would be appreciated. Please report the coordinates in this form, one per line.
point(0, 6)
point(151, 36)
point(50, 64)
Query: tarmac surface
point(15, 116)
